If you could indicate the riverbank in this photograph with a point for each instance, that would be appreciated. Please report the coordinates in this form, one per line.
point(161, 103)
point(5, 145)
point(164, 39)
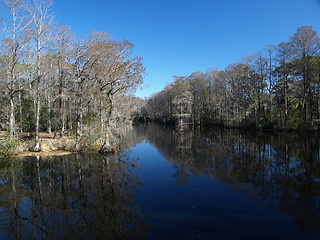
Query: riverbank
point(51, 145)
point(174, 122)
point(48, 153)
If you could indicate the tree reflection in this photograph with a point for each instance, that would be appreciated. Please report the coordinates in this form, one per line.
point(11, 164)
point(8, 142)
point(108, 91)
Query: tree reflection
point(279, 170)
point(81, 196)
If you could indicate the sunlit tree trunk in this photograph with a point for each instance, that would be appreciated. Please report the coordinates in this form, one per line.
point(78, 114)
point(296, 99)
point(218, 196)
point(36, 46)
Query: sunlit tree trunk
point(79, 123)
point(14, 25)
point(62, 108)
point(106, 147)
point(40, 13)
point(11, 118)
point(37, 147)
point(20, 107)
point(48, 99)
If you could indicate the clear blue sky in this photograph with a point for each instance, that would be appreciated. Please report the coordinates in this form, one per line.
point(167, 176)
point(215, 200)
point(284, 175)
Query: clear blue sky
point(178, 37)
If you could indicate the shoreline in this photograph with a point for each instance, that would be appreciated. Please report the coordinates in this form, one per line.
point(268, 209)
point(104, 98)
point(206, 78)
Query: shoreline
point(50, 146)
point(246, 128)
point(42, 154)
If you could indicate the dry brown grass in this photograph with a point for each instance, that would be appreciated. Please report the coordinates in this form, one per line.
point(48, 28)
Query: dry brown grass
point(52, 153)
point(49, 144)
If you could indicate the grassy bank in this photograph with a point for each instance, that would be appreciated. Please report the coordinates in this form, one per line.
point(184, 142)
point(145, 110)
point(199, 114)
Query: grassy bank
point(51, 144)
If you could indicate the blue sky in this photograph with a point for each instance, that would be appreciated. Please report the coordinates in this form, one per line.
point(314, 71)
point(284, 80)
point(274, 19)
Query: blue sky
point(176, 37)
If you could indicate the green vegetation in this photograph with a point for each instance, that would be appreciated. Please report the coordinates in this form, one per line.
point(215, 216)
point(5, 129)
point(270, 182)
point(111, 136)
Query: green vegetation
point(6, 146)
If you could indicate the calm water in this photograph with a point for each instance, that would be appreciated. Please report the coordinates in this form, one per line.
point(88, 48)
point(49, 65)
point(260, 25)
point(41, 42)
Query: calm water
point(196, 184)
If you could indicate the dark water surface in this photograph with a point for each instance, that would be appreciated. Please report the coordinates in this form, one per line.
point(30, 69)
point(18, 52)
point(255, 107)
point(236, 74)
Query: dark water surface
point(196, 184)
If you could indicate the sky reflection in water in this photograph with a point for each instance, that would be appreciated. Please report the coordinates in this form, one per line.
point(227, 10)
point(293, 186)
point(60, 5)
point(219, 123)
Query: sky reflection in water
point(196, 184)
point(229, 184)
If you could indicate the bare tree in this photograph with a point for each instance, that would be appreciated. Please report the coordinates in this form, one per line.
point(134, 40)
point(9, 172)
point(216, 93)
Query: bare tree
point(42, 19)
point(82, 75)
point(12, 45)
point(117, 72)
point(270, 50)
point(283, 72)
point(63, 44)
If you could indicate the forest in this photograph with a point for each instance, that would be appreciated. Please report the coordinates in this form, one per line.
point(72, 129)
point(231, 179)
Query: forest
point(277, 88)
point(56, 82)
point(53, 81)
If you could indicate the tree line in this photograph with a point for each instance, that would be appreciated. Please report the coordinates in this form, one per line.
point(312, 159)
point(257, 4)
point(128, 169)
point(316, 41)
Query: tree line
point(275, 88)
point(53, 80)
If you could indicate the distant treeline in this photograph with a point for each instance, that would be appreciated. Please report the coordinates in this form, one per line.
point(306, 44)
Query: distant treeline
point(276, 88)
point(52, 80)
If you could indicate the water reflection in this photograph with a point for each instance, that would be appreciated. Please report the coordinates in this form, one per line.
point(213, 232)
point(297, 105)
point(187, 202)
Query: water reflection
point(90, 196)
point(83, 196)
point(278, 170)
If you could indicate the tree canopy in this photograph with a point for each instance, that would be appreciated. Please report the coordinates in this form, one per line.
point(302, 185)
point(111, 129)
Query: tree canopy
point(275, 88)
point(53, 80)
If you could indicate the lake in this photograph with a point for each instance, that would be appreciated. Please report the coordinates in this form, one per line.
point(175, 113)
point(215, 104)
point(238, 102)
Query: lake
point(165, 184)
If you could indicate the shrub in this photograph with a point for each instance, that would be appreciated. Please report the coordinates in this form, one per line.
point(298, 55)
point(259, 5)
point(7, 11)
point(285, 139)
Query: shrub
point(6, 145)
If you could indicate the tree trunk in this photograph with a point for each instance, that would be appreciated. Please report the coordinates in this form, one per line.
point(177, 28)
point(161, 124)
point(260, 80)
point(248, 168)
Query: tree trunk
point(101, 113)
point(37, 147)
point(286, 106)
point(11, 116)
point(79, 128)
point(49, 124)
point(62, 119)
point(69, 124)
point(11, 87)
point(62, 107)
point(20, 107)
point(106, 147)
